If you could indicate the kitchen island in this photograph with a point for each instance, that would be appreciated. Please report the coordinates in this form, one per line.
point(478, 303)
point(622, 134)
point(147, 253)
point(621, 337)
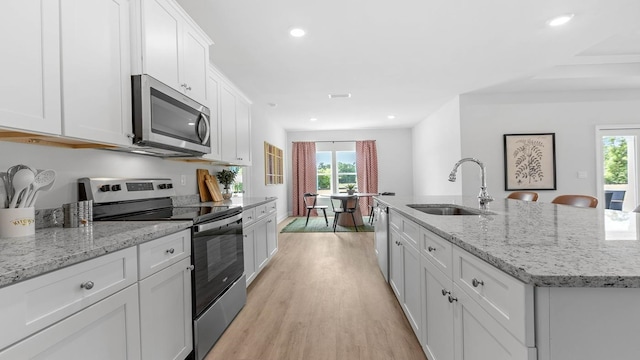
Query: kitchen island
point(575, 274)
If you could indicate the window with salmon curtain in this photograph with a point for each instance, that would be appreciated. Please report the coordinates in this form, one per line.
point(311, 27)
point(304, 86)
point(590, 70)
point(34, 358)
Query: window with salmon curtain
point(367, 170)
point(303, 172)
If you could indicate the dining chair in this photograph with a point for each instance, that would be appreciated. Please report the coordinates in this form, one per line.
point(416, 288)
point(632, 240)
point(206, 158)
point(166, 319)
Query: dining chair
point(310, 202)
point(342, 205)
point(523, 195)
point(576, 200)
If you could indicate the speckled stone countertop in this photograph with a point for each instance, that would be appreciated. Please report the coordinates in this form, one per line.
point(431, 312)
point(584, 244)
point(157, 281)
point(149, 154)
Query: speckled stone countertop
point(540, 243)
point(53, 248)
point(245, 202)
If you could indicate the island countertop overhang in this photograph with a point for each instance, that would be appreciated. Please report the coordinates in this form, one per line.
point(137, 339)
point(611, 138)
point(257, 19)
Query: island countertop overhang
point(541, 244)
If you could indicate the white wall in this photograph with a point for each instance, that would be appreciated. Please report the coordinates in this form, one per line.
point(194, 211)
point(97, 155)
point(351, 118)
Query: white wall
point(72, 164)
point(394, 156)
point(262, 129)
point(436, 148)
point(571, 116)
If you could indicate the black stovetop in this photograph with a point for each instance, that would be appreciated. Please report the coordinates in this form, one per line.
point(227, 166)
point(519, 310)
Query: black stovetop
point(196, 214)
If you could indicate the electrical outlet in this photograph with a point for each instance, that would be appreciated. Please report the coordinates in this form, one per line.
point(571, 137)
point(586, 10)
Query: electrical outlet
point(582, 174)
point(183, 180)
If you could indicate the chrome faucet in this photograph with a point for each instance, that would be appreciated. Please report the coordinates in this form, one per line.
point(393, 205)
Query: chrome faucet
point(484, 198)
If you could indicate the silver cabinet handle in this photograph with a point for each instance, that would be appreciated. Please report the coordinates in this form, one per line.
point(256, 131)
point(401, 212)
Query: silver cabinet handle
point(190, 267)
point(445, 292)
point(170, 251)
point(430, 248)
point(452, 299)
point(475, 282)
point(87, 285)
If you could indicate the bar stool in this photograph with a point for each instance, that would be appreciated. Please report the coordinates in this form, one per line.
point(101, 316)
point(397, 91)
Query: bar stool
point(576, 200)
point(523, 195)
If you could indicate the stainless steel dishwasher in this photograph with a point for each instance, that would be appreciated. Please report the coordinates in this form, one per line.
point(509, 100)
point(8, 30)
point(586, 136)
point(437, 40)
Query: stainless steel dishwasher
point(381, 226)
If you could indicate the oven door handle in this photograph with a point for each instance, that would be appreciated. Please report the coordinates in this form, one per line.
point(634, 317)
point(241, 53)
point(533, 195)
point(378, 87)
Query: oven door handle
point(218, 223)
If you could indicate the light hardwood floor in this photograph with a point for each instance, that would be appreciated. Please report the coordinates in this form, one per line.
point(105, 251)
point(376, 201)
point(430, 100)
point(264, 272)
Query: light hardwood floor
point(321, 297)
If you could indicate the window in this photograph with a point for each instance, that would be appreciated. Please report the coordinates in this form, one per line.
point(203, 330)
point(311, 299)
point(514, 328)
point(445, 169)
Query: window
point(273, 168)
point(336, 167)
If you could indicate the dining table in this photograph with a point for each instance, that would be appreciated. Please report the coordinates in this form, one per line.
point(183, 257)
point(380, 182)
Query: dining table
point(345, 219)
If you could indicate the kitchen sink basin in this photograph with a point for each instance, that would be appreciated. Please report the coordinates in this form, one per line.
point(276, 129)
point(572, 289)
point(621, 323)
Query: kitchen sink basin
point(446, 209)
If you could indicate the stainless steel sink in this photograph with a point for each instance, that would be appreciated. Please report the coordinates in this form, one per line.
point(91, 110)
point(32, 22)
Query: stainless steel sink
point(447, 209)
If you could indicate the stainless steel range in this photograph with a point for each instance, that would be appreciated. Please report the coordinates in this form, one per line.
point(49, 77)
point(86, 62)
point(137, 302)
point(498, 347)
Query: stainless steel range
point(218, 282)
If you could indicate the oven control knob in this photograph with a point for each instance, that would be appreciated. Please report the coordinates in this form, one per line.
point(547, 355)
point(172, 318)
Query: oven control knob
point(162, 186)
point(105, 188)
point(169, 186)
point(116, 187)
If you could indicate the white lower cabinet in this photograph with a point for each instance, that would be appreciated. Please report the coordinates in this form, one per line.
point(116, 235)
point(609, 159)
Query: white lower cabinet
point(131, 304)
point(107, 330)
point(405, 265)
point(437, 313)
point(260, 238)
point(165, 313)
point(458, 306)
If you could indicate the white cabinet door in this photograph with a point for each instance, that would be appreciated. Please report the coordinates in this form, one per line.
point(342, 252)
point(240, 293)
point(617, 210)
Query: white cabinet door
point(272, 235)
point(107, 330)
point(437, 313)
point(162, 26)
point(195, 61)
point(249, 253)
point(165, 313)
point(213, 103)
point(262, 251)
point(396, 267)
point(411, 287)
point(96, 73)
point(479, 337)
point(243, 131)
point(228, 124)
point(30, 66)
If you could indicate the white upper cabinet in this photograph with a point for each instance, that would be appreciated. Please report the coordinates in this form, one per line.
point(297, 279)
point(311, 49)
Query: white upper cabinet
point(169, 46)
point(214, 83)
point(235, 117)
point(96, 71)
point(30, 66)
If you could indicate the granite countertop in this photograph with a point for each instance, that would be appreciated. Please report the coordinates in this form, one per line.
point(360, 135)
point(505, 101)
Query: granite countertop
point(245, 202)
point(540, 243)
point(53, 248)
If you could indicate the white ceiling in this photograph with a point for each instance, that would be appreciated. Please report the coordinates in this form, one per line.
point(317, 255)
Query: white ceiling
point(407, 57)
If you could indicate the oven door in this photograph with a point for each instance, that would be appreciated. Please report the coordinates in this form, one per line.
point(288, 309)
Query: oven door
point(218, 259)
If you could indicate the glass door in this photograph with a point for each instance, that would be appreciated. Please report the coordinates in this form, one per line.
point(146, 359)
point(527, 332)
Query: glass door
point(618, 168)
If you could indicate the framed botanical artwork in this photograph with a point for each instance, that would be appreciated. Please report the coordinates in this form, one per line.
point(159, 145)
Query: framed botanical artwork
point(529, 161)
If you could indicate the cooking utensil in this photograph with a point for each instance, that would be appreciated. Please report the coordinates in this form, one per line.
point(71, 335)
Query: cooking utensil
point(11, 173)
point(43, 181)
point(4, 180)
point(21, 182)
point(3, 196)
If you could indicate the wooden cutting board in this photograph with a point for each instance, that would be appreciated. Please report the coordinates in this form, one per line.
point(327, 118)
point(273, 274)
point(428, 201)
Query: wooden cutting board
point(205, 195)
point(213, 187)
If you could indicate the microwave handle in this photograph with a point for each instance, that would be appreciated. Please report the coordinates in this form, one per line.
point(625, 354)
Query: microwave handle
point(204, 118)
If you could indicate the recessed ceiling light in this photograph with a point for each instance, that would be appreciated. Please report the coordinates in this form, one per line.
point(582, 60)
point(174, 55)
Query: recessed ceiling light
point(560, 20)
point(191, 124)
point(313, 119)
point(391, 117)
point(335, 96)
point(297, 32)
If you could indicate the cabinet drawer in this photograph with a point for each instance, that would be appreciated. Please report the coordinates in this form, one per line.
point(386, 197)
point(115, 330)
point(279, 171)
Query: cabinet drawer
point(272, 207)
point(438, 250)
point(409, 229)
point(157, 254)
point(505, 298)
point(34, 304)
point(248, 216)
point(261, 211)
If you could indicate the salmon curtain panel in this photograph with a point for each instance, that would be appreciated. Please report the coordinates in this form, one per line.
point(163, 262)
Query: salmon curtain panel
point(304, 173)
point(367, 170)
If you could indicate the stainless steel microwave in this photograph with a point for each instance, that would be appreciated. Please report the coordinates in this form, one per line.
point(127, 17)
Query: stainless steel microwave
point(166, 122)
